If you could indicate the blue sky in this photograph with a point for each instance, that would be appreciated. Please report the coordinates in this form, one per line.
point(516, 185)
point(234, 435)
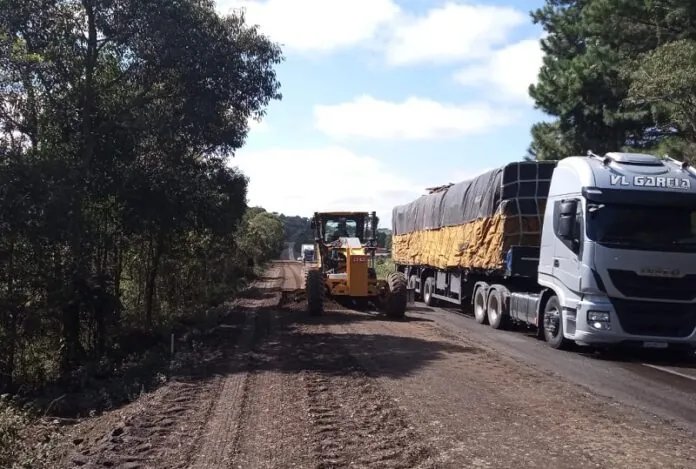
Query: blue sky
point(383, 98)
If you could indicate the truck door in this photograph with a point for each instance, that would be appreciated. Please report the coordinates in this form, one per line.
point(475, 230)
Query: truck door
point(568, 225)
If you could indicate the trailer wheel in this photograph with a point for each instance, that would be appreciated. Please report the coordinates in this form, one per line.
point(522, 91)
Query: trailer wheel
point(398, 295)
point(496, 309)
point(428, 288)
point(553, 324)
point(480, 306)
point(314, 284)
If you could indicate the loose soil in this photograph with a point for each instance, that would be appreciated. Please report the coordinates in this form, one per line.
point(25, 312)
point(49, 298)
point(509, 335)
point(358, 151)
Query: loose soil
point(276, 388)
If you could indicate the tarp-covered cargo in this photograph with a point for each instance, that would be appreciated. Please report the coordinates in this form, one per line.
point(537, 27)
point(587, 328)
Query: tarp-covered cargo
point(473, 223)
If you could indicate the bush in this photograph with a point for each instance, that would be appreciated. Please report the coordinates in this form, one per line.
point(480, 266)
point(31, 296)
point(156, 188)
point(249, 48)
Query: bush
point(383, 266)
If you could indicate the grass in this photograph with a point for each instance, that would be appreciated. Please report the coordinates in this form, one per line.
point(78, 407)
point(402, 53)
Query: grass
point(383, 266)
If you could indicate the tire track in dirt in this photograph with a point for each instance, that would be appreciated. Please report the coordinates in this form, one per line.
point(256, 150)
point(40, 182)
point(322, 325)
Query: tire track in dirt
point(510, 408)
point(222, 433)
point(224, 430)
point(355, 422)
point(168, 427)
point(275, 421)
point(141, 436)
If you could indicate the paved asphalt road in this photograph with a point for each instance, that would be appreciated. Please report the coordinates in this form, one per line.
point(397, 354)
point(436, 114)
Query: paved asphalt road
point(654, 384)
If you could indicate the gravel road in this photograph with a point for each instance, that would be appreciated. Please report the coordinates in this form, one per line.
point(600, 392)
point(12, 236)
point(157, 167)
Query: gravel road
point(275, 388)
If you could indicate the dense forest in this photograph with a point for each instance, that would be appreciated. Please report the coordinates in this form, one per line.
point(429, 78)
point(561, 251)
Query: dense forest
point(120, 215)
point(618, 74)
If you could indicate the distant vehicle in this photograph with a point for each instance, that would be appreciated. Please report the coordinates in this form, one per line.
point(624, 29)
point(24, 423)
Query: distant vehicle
point(596, 250)
point(307, 251)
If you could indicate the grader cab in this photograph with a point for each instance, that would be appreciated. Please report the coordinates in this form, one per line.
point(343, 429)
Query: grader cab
point(344, 267)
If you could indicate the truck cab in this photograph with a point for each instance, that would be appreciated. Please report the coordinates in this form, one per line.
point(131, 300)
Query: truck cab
point(307, 251)
point(617, 259)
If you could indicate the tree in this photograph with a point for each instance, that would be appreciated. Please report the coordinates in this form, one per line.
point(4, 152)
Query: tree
point(117, 119)
point(591, 49)
point(665, 83)
point(262, 235)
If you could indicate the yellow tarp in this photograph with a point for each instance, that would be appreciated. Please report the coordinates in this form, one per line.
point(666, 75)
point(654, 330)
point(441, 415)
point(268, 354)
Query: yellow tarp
point(479, 244)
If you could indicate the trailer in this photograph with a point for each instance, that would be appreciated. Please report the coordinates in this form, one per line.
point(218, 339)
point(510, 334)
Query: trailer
point(595, 250)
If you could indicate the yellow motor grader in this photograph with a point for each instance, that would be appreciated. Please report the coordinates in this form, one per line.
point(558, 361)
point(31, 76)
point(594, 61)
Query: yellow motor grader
point(344, 265)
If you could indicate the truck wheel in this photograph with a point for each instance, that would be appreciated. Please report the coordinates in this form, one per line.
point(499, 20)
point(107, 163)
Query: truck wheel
point(480, 306)
point(314, 284)
point(428, 288)
point(496, 309)
point(553, 324)
point(398, 295)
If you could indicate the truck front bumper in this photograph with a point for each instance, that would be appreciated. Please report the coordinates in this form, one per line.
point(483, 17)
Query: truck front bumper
point(597, 324)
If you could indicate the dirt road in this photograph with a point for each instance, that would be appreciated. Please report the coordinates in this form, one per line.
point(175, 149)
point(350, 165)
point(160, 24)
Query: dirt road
point(275, 388)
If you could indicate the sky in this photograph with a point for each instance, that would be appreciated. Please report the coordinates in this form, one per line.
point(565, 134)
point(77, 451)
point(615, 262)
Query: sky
point(384, 98)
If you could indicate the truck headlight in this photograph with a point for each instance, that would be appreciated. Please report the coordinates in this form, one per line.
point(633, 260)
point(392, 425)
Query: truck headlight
point(599, 320)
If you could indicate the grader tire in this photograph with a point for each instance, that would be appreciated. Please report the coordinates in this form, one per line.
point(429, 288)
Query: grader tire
point(397, 297)
point(314, 284)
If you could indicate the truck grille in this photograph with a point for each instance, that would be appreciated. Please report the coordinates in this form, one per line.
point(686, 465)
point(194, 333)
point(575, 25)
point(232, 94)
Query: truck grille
point(656, 319)
point(631, 284)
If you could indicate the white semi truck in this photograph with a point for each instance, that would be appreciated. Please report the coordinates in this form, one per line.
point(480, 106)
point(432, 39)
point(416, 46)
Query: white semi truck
point(307, 253)
point(614, 262)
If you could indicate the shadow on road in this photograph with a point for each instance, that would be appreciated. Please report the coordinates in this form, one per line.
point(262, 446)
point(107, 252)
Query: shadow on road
point(675, 359)
point(420, 309)
point(256, 293)
point(342, 316)
point(377, 354)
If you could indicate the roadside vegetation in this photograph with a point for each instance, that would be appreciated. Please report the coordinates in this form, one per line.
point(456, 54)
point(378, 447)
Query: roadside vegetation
point(122, 220)
point(618, 74)
point(384, 266)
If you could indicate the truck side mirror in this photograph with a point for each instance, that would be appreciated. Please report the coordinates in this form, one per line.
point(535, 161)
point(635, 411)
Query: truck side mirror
point(566, 221)
point(312, 224)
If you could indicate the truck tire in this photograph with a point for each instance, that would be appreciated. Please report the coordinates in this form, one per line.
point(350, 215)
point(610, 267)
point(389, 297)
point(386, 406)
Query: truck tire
point(428, 288)
point(480, 314)
point(314, 284)
point(496, 309)
point(553, 324)
point(397, 299)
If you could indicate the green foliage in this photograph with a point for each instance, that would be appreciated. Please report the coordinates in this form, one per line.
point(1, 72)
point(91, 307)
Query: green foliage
point(595, 50)
point(297, 230)
point(120, 213)
point(384, 238)
point(384, 266)
point(12, 421)
point(665, 82)
point(262, 235)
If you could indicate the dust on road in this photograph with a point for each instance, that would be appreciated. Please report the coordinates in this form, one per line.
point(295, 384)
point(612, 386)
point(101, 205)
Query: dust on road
point(278, 389)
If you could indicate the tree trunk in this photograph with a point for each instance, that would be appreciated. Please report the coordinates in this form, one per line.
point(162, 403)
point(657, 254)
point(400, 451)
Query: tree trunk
point(151, 285)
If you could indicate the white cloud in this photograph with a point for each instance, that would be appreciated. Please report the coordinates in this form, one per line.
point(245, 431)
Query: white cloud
point(301, 181)
point(453, 32)
point(509, 71)
point(316, 25)
point(304, 180)
point(413, 119)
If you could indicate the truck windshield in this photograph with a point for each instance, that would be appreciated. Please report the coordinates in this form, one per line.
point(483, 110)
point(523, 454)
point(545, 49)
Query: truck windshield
point(645, 228)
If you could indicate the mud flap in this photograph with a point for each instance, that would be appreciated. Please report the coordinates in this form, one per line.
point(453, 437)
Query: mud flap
point(410, 296)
